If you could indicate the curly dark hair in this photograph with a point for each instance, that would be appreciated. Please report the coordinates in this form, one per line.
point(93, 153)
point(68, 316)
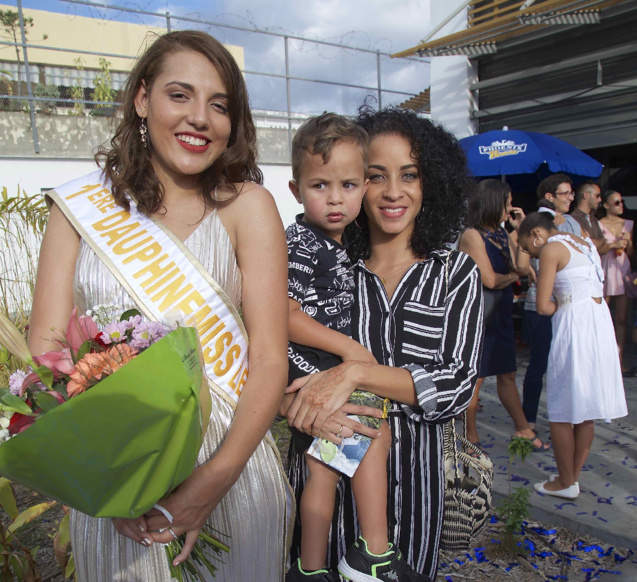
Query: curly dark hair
point(127, 163)
point(444, 179)
point(487, 204)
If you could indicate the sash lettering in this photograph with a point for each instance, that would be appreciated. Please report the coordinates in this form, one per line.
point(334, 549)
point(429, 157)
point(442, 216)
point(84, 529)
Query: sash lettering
point(161, 276)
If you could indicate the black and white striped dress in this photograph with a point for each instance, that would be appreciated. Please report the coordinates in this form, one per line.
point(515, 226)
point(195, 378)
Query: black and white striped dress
point(433, 327)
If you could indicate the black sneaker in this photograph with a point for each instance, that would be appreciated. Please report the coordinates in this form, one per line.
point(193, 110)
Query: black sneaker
point(359, 565)
point(296, 574)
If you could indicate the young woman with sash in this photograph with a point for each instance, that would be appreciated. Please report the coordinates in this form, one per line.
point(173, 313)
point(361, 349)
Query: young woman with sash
point(418, 309)
point(177, 223)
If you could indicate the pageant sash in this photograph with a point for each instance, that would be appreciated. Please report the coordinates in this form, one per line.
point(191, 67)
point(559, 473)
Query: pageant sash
point(161, 275)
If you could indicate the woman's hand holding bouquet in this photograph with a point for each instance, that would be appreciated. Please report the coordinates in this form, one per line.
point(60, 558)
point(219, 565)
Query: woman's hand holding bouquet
point(117, 419)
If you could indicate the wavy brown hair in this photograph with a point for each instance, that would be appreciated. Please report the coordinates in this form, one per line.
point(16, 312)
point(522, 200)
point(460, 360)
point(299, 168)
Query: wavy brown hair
point(487, 204)
point(127, 163)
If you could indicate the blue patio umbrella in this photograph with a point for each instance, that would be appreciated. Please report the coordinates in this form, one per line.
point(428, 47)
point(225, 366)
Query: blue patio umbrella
point(505, 152)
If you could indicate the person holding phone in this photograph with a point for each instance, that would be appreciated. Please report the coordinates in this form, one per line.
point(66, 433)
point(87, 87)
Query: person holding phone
point(491, 247)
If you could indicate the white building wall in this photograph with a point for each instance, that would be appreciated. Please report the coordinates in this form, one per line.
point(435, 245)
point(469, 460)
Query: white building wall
point(451, 77)
point(36, 175)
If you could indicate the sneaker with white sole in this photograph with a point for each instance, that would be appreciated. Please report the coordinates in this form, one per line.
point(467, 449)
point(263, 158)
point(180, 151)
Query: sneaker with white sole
point(360, 565)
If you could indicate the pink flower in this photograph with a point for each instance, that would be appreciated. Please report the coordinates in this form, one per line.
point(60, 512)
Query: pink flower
point(59, 361)
point(148, 333)
point(32, 379)
point(80, 329)
point(115, 332)
point(131, 322)
point(15, 381)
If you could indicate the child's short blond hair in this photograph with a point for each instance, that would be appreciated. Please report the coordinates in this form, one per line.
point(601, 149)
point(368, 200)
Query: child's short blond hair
point(319, 134)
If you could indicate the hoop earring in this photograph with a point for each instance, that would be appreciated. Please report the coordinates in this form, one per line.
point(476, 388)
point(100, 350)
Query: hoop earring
point(143, 130)
point(537, 246)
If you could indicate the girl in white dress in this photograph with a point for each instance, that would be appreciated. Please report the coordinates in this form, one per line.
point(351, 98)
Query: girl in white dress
point(584, 381)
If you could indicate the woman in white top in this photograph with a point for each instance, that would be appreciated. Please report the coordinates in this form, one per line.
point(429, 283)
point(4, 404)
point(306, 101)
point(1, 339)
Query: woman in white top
point(584, 381)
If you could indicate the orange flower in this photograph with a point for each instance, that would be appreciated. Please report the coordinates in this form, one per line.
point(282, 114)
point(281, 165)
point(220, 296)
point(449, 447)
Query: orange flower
point(117, 356)
point(93, 367)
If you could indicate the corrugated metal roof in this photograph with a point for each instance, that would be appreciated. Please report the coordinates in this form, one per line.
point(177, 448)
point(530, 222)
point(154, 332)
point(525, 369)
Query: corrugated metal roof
point(493, 21)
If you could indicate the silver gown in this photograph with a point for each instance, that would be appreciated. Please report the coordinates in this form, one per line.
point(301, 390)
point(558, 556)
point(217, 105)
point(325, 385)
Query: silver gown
point(254, 513)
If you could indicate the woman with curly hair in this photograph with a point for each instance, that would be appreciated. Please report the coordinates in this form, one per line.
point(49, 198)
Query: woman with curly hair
point(418, 310)
point(183, 164)
point(490, 246)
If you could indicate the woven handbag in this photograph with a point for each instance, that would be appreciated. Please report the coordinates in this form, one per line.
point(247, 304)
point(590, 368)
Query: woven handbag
point(467, 493)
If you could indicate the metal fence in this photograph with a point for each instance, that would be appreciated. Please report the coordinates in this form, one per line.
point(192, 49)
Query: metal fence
point(73, 62)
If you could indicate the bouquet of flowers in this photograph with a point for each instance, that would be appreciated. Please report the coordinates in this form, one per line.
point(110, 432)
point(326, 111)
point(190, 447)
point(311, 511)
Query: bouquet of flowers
point(110, 422)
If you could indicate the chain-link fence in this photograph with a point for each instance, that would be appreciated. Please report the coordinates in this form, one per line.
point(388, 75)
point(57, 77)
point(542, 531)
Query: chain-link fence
point(62, 70)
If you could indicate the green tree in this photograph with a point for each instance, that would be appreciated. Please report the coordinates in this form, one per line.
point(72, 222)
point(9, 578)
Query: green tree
point(104, 85)
point(77, 91)
point(515, 509)
point(10, 22)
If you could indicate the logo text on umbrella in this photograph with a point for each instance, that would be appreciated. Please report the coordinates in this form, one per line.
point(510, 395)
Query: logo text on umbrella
point(498, 149)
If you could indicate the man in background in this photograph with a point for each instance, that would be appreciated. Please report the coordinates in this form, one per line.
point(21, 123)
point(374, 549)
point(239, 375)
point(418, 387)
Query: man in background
point(587, 199)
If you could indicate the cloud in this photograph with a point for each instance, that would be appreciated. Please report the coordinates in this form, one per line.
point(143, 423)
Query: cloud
point(370, 24)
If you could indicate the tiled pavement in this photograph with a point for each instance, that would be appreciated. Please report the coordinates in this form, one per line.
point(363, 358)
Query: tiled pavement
point(607, 505)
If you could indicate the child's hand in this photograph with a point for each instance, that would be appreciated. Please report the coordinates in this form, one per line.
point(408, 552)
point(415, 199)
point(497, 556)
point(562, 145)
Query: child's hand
point(357, 353)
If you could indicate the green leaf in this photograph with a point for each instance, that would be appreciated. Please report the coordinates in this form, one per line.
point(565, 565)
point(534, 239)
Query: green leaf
point(30, 514)
point(128, 314)
point(16, 404)
point(7, 498)
point(18, 565)
point(85, 348)
point(46, 401)
point(61, 541)
point(45, 375)
point(4, 355)
point(70, 567)
point(520, 447)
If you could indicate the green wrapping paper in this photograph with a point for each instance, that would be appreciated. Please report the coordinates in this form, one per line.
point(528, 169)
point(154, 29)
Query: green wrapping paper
point(118, 448)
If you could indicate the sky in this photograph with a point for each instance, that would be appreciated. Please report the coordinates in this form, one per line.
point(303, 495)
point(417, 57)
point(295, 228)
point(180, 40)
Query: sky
point(385, 25)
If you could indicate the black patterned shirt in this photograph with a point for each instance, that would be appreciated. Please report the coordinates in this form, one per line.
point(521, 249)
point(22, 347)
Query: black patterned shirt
point(320, 278)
